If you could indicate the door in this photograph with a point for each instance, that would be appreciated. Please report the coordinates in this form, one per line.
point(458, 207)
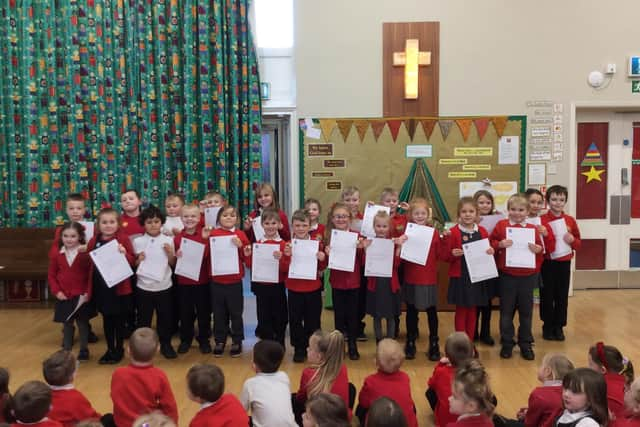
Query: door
point(275, 143)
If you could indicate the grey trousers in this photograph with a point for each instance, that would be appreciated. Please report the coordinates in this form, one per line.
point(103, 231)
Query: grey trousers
point(516, 293)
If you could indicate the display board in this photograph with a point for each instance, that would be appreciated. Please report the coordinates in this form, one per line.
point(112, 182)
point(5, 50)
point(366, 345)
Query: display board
point(460, 153)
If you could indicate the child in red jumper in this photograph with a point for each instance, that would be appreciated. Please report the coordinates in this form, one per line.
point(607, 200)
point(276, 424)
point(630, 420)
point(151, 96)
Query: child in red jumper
point(617, 371)
point(226, 289)
point(389, 197)
point(389, 382)
point(205, 385)
point(631, 417)
point(69, 278)
point(131, 207)
point(141, 388)
point(458, 349)
point(194, 298)
point(471, 398)
point(31, 404)
point(68, 405)
point(266, 197)
point(317, 229)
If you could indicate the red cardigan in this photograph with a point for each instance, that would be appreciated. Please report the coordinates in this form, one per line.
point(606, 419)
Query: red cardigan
point(440, 382)
point(72, 280)
point(285, 233)
point(340, 386)
point(615, 393)
point(628, 421)
point(545, 403)
point(302, 285)
point(281, 267)
point(318, 232)
point(424, 275)
point(572, 227)
point(476, 421)
point(69, 407)
point(139, 390)
point(398, 224)
point(206, 263)
point(224, 412)
point(229, 279)
point(499, 234)
point(395, 386)
point(454, 241)
point(124, 287)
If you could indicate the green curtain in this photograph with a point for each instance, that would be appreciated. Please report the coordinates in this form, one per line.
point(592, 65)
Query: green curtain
point(98, 96)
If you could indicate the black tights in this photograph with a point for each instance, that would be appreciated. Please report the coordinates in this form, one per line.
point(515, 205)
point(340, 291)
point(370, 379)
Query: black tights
point(113, 325)
point(412, 321)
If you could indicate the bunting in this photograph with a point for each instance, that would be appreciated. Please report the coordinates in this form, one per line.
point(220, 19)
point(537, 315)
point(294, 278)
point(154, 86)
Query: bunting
point(465, 127)
point(445, 128)
point(327, 126)
point(427, 126)
point(499, 123)
point(378, 127)
point(411, 125)
point(361, 126)
point(394, 127)
point(481, 127)
point(345, 128)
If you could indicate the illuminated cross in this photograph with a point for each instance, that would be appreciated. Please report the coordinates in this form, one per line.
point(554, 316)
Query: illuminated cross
point(411, 59)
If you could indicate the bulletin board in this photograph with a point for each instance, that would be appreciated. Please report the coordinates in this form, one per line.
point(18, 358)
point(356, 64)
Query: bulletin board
point(459, 152)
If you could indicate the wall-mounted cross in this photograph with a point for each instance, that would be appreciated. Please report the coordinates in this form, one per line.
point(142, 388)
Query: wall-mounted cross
point(411, 59)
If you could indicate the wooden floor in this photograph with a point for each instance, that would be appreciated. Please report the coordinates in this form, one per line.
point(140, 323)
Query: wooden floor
point(27, 336)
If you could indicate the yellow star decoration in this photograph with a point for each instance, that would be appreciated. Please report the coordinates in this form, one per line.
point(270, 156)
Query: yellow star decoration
point(593, 174)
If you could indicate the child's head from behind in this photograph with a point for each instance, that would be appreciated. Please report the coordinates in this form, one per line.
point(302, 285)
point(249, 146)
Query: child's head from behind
point(59, 368)
point(205, 383)
point(419, 211)
point(351, 197)
point(267, 356)
point(151, 219)
point(108, 221)
point(389, 356)
point(266, 196)
point(382, 224)
point(130, 202)
point(608, 359)
point(339, 217)
point(71, 235)
point(154, 419)
point(31, 402)
point(632, 398)
point(518, 208)
point(471, 392)
point(467, 211)
point(583, 389)
point(227, 217)
point(271, 222)
point(554, 367)
point(325, 410)
point(325, 345)
point(536, 200)
point(300, 223)
point(173, 204)
point(312, 206)
point(143, 345)
point(389, 198)
point(484, 201)
point(385, 412)
point(458, 348)
point(75, 207)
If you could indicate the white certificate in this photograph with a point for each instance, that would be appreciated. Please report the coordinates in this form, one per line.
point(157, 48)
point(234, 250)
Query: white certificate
point(367, 222)
point(155, 260)
point(211, 216)
point(258, 231)
point(379, 259)
point(88, 229)
point(534, 220)
point(111, 263)
point(190, 263)
point(480, 264)
point(224, 256)
point(264, 267)
point(304, 259)
point(416, 248)
point(509, 150)
point(342, 255)
point(489, 221)
point(559, 228)
point(519, 254)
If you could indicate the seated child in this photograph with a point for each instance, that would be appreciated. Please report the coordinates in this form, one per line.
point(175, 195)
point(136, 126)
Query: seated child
point(632, 407)
point(471, 398)
point(267, 394)
point(584, 397)
point(385, 412)
point(140, 388)
point(68, 405)
point(154, 419)
point(205, 385)
point(325, 409)
point(389, 382)
point(30, 405)
point(617, 371)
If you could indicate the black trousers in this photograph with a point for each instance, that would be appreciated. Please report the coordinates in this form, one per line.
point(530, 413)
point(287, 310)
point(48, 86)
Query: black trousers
point(411, 319)
point(160, 302)
point(271, 307)
point(554, 294)
point(346, 318)
point(305, 309)
point(114, 330)
point(227, 303)
point(194, 303)
point(516, 293)
point(362, 301)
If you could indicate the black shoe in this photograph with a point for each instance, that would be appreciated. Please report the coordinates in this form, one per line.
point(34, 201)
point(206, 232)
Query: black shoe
point(205, 347)
point(434, 349)
point(506, 352)
point(410, 349)
point(527, 353)
point(167, 351)
point(93, 338)
point(106, 359)
point(353, 351)
point(362, 337)
point(218, 350)
point(236, 349)
point(184, 347)
point(559, 335)
point(488, 340)
point(299, 356)
point(118, 355)
point(548, 334)
point(83, 355)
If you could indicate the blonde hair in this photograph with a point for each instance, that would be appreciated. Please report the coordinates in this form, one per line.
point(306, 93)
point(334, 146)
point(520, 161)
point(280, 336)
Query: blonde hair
point(417, 202)
point(458, 348)
point(143, 344)
point(389, 355)
point(331, 347)
point(349, 191)
point(190, 208)
point(154, 419)
point(558, 364)
point(388, 191)
point(274, 196)
point(518, 199)
point(634, 392)
point(474, 383)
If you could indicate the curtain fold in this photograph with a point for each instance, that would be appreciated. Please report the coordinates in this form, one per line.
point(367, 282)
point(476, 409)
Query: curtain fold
point(98, 96)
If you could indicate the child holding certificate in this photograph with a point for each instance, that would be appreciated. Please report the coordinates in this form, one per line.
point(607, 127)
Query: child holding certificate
point(389, 198)
point(556, 269)
point(517, 281)
point(420, 290)
point(305, 300)
point(345, 285)
point(266, 197)
point(112, 302)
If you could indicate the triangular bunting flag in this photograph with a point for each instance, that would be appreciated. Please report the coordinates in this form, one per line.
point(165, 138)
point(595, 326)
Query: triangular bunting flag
point(411, 125)
point(445, 127)
point(394, 127)
point(327, 126)
point(345, 128)
point(428, 126)
point(465, 127)
point(361, 126)
point(378, 127)
point(481, 127)
point(500, 123)
point(592, 157)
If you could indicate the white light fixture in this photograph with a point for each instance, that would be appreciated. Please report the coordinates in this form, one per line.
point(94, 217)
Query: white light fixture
point(596, 79)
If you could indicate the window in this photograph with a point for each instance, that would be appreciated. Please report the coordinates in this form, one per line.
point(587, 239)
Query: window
point(274, 24)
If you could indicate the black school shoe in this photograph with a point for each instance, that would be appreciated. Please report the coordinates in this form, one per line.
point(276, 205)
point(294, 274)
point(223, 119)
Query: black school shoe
point(506, 352)
point(205, 347)
point(83, 355)
point(111, 357)
point(168, 352)
point(410, 349)
point(558, 334)
point(236, 349)
point(548, 334)
point(184, 347)
point(218, 350)
point(527, 353)
point(299, 356)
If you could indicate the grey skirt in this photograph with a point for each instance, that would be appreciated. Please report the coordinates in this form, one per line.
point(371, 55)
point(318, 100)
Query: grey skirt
point(420, 296)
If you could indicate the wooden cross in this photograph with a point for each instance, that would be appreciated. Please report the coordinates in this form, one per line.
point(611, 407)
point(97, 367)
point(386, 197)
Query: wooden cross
point(411, 59)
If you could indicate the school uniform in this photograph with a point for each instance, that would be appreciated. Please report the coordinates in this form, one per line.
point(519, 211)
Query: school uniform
point(440, 382)
point(626, 421)
point(472, 420)
point(383, 300)
point(225, 412)
point(615, 393)
point(340, 386)
point(227, 300)
point(194, 295)
point(576, 419)
point(345, 291)
point(398, 223)
point(556, 275)
point(356, 227)
point(284, 232)
point(268, 396)
point(317, 232)
point(139, 390)
point(69, 406)
point(130, 226)
point(396, 386)
point(545, 403)
point(516, 289)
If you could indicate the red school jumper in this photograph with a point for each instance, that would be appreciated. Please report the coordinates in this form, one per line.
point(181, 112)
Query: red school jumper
point(224, 412)
point(424, 275)
point(69, 407)
point(440, 382)
point(545, 404)
point(339, 387)
point(303, 285)
point(572, 227)
point(230, 279)
point(398, 224)
point(396, 386)
point(480, 420)
point(284, 232)
point(317, 232)
point(499, 234)
point(204, 268)
point(72, 280)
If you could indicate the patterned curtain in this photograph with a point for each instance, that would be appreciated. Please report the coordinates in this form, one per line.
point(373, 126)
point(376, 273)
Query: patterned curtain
point(97, 96)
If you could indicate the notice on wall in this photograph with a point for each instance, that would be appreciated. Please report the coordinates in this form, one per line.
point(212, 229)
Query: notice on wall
point(452, 162)
point(335, 163)
point(320, 150)
point(537, 174)
point(334, 185)
point(462, 175)
point(509, 150)
point(472, 151)
point(476, 167)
